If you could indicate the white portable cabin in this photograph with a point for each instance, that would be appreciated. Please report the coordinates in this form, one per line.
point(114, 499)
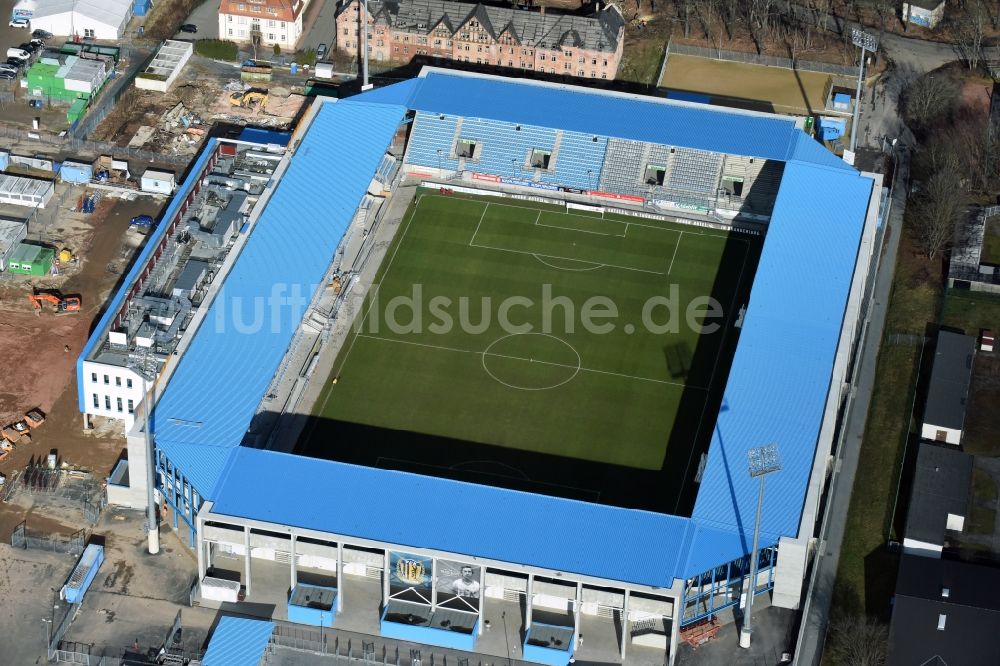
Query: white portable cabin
point(158, 182)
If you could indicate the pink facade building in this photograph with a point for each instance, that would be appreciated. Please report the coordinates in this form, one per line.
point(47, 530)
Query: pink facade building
point(552, 43)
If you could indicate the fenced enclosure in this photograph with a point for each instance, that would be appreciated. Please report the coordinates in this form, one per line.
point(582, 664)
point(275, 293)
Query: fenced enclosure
point(345, 646)
point(24, 539)
point(755, 59)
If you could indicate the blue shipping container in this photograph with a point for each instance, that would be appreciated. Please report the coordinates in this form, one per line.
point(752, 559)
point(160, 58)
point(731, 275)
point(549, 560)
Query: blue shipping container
point(84, 573)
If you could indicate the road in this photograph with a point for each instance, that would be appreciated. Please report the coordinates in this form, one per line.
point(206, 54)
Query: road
point(206, 17)
point(318, 25)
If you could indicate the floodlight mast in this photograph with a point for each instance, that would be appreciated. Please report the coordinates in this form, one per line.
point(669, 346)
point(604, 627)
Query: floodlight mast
point(141, 368)
point(364, 48)
point(761, 461)
point(866, 42)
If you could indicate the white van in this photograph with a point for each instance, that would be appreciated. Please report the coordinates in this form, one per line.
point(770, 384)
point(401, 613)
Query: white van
point(18, 53)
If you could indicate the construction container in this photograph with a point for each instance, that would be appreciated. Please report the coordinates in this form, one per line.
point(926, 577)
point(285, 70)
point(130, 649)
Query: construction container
point(12, 232)
point(324, 70)
point(156, 181)
point(83, 574)
point(76, 172)
point(219, 589)
point(31, 260)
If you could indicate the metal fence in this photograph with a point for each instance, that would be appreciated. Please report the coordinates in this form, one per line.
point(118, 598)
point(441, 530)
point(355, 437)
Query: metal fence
point(365, 648)
point(756, 59)
point(71, 145)
point(23, 539)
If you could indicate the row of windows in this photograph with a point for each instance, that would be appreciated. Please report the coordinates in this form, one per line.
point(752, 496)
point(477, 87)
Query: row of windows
point(271, 37)
point(107, 403)
point(107, 380)
point(256, 8)
point(242, 20)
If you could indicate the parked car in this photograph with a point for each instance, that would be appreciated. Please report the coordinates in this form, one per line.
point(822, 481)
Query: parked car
point(14, 63)
point(19, 23)
point(41, 34)
point(320, 51)
point(189, 27)
point(29, 47)
point(19, 54)
point(7, 75)
point(141, 222)
point(38, 42)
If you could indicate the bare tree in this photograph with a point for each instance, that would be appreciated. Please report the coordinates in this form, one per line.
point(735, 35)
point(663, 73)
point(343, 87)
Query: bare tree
point(936, 211)
point(928, 99)
point(857, 641)
point(712, 22)
point(969, 32)
point(821, 12)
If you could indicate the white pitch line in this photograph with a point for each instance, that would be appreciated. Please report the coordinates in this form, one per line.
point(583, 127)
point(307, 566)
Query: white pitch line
point(479, 225)
point(553, 256)
point(680, 235)
point(671, 226)
point(531, 360)
point(582, 231)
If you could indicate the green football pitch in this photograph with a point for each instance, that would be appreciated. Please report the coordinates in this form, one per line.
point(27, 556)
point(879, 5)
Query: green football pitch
point(531, 327)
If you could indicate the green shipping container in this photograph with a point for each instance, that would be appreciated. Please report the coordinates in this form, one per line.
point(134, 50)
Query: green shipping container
point(31, 260)
point(76, 111)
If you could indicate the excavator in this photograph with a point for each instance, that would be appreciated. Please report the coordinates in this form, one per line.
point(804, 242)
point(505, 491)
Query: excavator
point(63, 304)
point(249, 98)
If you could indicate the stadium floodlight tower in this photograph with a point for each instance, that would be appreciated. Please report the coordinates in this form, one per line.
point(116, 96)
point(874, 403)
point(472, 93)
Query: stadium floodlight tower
point(140, 365)
point(364, 49)
point(761, 460)
point(866, 42)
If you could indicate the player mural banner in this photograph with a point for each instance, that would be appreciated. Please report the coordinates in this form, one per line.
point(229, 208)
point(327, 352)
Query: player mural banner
point(458, 585)
point(410, 576)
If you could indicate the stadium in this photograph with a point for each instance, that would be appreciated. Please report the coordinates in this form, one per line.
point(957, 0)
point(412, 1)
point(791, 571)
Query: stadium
point(480, 362)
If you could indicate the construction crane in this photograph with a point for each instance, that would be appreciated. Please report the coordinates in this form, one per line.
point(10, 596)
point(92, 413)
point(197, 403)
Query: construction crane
point(63, 304)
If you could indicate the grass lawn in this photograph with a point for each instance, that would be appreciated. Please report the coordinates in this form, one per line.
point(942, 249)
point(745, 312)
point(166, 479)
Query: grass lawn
point(866, 574)
point(984, 496)
point(780, 90)
point(991, 242)
point(543, 380)
point(643, 55)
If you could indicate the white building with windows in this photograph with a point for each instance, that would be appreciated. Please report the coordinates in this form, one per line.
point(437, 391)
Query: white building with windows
point(272, 21)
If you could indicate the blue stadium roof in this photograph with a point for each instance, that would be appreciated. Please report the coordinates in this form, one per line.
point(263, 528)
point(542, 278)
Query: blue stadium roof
point(781, 371)
point(669, 122)
point(207, 405)
point(776, 390)
point(579, 537)
point(238, 641)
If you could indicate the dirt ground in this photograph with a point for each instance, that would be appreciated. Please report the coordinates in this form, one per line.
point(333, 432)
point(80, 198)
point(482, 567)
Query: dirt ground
point(37, 370)
point(785, 90)
point(134, 598)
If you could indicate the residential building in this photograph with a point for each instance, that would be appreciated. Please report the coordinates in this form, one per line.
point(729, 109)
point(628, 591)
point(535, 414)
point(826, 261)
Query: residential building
point(945, 612)
point(939, 500)
point(550, 43)
point(273, 21)
point(944, 411)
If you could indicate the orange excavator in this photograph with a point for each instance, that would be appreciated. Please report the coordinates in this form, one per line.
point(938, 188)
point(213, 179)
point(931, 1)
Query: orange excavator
point(63, 304)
